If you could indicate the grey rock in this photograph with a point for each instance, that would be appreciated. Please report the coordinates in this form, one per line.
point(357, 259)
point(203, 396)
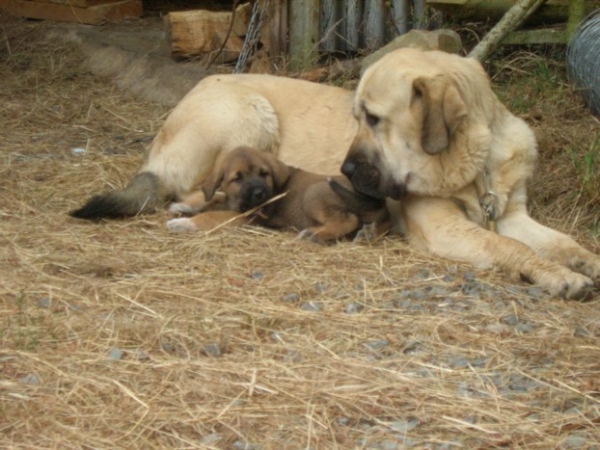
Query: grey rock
point(44, 302)
point(212, 438)
point(292, 297)
point(403, 426)
point(511, 320)
point(258, 275)
point(30, 379)
point(212, 349)
point(376, 345)
point(423, 274)
point(582, 332)
point(321, 287)
point(312, 306)
point(353, 308)
point(575, 441)
point(524, 328)
point(115, 354)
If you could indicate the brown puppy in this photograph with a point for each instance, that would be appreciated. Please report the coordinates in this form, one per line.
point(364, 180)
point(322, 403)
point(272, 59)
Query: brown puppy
point(320, 208)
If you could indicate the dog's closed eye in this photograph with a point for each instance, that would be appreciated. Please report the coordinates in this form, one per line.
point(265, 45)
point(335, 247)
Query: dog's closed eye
point(238, 176)
point(263, 173)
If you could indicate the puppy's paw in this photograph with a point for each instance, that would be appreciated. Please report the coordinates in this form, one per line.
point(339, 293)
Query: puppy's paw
point(368, 233)
point(309, 235)
point(181, 224)
point(181, 208)
point(490, 205)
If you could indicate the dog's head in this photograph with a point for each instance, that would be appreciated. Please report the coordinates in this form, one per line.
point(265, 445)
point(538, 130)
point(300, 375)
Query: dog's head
point(247, 177)
point(409, 106)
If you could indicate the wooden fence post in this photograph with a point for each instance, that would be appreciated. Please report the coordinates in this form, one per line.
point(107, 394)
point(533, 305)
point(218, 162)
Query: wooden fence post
point(374, 24)
point(304, 33)
point(352, 13)
point(401, 13)
point(329, 24)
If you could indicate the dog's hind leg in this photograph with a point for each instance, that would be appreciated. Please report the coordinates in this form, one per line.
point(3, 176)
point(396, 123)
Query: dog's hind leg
point(334, 226)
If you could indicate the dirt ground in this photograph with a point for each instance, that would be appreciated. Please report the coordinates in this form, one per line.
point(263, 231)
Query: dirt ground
point(124, 335)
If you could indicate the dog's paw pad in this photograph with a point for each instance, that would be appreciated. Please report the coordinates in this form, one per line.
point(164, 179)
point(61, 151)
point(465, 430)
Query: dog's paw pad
point(180, 208)
point(181, 224)
point(367, 233)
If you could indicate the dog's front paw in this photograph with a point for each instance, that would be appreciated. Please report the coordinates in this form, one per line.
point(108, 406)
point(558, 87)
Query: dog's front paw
point(572, 286)
point(589, 267)
point(490, 205)
point(181, 224)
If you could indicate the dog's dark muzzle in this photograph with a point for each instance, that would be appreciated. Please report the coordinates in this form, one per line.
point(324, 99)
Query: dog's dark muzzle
point(368, 180)
point(254, 193)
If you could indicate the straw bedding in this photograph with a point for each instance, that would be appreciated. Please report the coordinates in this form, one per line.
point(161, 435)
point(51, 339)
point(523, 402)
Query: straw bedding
point(124, 335)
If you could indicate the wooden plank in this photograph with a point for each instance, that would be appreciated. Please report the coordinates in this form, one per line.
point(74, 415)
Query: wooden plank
point(201, 32)
point(93, 15)
point(79, 3)
point(276, 28)
point(304, 33)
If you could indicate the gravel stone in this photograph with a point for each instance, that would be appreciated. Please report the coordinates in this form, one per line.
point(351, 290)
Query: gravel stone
point(423, 274)
point(321, 287)
point(403, 426)
point(115, 354)
point(212, 438)
point(258, 275)
point(353, 308)
point(44, 302)
point(574, 441)
point(511, 320)
point(376, 345)
point(30, 379)
point(212, 349)
point(312, 306)
point(524, 328)
point(292, 297)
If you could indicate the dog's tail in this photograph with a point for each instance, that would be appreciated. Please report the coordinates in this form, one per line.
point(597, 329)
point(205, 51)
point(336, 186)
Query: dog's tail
point(355, 201)
point(143, 194)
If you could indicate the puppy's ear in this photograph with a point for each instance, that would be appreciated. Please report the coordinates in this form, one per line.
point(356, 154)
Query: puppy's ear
point(443, 111)
point(213, 182)
point(280, 171)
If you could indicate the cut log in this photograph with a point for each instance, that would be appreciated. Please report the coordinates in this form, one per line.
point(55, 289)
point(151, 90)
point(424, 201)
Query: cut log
point(63, 12)
point(514, 17)
point(201, 32)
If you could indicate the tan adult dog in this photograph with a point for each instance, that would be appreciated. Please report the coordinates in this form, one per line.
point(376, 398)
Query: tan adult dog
point(319, 207)
point(427, 126)
point(432, 132)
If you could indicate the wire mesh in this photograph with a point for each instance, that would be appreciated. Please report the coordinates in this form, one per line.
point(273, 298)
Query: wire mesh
point(583, 60)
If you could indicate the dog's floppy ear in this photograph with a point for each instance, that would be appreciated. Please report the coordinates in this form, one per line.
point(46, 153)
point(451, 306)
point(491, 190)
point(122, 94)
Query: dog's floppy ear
point(213, 182)
point(280, 171)
point(443, 111)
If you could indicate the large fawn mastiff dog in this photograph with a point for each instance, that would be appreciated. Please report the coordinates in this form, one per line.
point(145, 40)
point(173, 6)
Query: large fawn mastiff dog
point(423, 129)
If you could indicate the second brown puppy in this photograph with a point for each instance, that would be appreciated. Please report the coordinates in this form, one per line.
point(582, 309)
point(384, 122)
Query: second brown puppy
point(320, 208)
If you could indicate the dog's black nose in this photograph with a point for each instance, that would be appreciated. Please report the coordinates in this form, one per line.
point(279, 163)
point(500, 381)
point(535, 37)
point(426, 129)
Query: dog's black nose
point(348, 168)
point(258, 192)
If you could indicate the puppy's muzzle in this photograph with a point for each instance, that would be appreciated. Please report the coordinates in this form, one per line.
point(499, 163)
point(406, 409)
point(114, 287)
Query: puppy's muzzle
point(254, 193)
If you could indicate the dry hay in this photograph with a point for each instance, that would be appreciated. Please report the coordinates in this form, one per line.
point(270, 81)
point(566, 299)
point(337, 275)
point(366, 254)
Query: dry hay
point(124, 335)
